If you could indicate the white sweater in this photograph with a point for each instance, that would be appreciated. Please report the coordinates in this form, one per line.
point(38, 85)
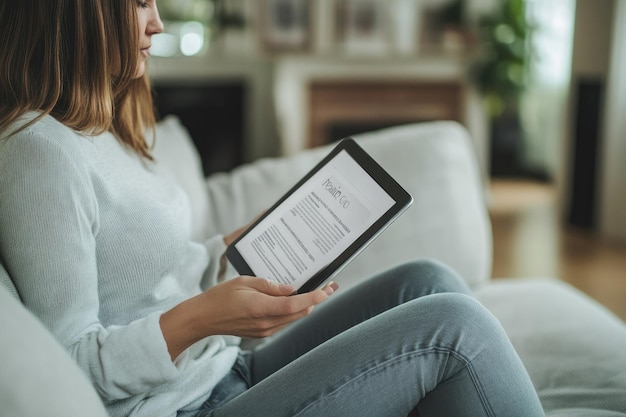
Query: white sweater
point(98, 246)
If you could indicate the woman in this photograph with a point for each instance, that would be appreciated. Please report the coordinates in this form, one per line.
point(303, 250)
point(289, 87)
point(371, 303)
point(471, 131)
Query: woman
point(98, 247)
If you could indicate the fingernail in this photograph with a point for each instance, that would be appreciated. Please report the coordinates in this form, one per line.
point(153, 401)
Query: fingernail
point(330, 288)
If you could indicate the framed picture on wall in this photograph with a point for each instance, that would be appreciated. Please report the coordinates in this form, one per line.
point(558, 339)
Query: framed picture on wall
point(363, 26)
point(286, 25)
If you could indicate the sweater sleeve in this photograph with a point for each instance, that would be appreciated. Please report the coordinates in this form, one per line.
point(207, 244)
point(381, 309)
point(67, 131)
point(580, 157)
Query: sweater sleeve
point(48, 227)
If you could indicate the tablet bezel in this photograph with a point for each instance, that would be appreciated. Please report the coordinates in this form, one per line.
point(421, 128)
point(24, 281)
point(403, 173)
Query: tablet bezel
point(401, 197)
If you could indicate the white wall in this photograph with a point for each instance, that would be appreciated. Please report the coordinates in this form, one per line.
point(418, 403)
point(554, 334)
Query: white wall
point(591, 37)
point(613, 174)
point(544, 111)
point(590, 58)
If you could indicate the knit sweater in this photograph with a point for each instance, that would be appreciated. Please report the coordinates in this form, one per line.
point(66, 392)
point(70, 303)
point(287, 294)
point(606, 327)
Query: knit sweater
point(98, 246)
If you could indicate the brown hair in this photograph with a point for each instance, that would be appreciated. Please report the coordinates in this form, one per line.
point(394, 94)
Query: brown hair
point(75, 60)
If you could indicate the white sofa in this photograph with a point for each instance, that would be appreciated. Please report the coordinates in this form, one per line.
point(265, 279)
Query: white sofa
point(574, 349)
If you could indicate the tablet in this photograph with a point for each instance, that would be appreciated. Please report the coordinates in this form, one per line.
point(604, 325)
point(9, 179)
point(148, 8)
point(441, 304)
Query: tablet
point(322, 222)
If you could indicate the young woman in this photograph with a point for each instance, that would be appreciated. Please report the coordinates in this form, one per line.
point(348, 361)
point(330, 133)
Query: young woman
point(98, 247)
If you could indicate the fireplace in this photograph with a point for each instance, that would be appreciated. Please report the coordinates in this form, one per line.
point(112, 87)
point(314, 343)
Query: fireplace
point(340, 108)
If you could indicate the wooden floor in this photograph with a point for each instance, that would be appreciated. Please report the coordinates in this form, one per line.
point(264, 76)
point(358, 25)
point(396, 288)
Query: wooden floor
point(530, 241)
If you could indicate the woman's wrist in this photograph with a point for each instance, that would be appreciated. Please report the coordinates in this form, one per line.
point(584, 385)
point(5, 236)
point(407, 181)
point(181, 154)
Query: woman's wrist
point(179, 327)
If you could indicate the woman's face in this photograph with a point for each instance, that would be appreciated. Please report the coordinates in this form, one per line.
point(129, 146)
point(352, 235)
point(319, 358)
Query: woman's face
point(149, 24)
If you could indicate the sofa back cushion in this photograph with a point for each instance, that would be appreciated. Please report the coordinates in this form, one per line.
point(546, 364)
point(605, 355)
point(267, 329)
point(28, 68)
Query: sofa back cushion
point(6, 282)
point(177, 158)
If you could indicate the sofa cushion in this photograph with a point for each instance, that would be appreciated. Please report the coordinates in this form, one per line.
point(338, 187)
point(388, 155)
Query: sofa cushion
point(434, 161)
point(177, 158)
point(573, 348)
point(37, 376)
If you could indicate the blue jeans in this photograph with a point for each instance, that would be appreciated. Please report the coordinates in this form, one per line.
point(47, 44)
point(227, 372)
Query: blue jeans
point(408, 341)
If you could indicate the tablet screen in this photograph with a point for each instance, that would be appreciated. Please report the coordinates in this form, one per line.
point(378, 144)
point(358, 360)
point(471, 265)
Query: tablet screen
point(315, 224)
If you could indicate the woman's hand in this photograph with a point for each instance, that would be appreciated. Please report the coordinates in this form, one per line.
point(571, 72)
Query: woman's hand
point(244, 306)
point(256, 307)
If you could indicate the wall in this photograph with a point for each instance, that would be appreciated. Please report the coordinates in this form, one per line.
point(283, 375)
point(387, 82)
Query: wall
point(613, 175)
point(591, 36)
point(590, 61)
point(545, 100)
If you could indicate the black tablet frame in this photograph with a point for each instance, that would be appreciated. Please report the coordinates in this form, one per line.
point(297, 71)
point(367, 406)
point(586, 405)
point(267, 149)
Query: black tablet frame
point(401, 197)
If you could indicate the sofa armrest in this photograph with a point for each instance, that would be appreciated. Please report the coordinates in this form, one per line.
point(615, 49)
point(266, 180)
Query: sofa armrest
point(37, 376)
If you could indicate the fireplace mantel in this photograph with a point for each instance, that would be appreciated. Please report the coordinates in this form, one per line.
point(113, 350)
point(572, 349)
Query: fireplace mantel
point(298, 80)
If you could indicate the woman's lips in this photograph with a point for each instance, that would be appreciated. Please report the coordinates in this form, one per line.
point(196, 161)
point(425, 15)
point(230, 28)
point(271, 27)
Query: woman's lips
point(145, 51)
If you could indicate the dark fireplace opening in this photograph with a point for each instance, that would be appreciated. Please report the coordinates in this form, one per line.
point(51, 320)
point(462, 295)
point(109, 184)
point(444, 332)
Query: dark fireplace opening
point(214, 115)
point(336, 131)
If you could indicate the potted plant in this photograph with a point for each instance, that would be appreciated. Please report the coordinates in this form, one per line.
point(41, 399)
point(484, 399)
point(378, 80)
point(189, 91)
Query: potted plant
point(501, 73)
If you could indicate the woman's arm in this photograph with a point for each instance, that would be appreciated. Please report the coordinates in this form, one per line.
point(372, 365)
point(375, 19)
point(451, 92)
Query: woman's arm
point(48, 227)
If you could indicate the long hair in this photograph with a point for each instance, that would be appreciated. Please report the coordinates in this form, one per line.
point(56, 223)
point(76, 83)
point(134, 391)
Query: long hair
point(75, 60)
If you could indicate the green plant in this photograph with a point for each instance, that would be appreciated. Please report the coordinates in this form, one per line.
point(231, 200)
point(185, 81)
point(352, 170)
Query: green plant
point(502, 70)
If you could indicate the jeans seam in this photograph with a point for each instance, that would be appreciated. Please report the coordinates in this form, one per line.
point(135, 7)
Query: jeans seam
point(420, 352)
point(477, 384)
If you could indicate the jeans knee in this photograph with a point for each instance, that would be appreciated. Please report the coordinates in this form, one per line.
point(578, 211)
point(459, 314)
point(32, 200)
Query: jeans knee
point(467, 316)
point(433, 276)
point(455, 306)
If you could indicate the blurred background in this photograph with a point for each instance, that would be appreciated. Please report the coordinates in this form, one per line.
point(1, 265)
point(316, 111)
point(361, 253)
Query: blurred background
point(539, 84)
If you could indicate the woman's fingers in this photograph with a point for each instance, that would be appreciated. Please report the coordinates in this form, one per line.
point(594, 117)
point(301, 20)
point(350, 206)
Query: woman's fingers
point(292, 304)
point(268, 287)
point(283, 321)
point(286, 306)
point(267, 326)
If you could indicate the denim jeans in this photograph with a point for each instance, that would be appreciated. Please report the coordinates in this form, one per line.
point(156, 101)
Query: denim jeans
point(410, 340)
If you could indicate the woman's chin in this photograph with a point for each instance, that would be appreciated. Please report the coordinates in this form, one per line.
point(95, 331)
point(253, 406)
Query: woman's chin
point(141, 69)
